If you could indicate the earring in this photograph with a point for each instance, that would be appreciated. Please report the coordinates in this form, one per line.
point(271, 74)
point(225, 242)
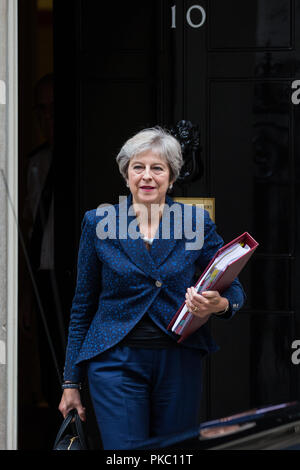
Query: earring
point(171, 186)
point(127, 184)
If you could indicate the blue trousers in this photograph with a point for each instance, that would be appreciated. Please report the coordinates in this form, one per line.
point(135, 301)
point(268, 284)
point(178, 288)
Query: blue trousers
point(141, 393)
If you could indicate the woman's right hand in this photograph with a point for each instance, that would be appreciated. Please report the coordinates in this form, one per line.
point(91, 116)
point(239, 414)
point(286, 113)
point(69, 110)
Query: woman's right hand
point(71, 399)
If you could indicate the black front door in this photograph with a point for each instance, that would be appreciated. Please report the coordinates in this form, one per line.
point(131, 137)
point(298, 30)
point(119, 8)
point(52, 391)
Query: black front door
point(229, 68)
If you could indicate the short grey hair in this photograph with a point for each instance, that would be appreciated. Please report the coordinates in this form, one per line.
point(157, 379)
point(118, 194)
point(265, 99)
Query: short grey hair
point(159, 141)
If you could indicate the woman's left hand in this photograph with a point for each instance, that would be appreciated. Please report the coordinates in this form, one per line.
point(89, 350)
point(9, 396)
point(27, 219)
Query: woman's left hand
point(206, 303)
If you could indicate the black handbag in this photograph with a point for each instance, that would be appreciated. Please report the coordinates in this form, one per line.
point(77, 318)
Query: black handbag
point(74, 440)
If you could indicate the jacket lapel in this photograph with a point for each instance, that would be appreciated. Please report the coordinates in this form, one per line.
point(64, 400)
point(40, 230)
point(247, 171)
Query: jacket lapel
point(167, 234)
point(164, 242)
point(135, 248)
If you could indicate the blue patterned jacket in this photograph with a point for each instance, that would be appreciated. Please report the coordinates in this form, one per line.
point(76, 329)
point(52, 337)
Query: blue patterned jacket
point(117, 282)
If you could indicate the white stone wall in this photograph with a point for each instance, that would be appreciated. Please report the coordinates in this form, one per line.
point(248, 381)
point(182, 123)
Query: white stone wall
point(3, 222)
point(8, 227)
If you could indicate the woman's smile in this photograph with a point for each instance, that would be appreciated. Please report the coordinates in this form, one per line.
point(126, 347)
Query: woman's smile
point(147, 188)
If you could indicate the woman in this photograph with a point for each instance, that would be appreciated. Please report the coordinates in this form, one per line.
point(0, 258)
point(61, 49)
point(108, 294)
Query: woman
point(133, 275)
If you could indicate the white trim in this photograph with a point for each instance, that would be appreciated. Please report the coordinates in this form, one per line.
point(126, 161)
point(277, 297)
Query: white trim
point(2, 352)
point(12, 230)
point(2, 92)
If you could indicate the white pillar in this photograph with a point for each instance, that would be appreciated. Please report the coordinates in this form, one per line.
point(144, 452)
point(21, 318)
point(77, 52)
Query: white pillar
point(8, 227)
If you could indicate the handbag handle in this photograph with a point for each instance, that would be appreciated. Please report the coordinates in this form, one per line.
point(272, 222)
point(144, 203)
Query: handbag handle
point(79, 430)
point(78, 425)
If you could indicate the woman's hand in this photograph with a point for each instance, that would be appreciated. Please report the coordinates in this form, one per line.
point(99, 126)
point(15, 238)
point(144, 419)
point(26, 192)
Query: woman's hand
point(206, 303)
point(71, 399)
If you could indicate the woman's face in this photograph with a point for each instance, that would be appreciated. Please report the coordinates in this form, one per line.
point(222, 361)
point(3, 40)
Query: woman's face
point(148, 178)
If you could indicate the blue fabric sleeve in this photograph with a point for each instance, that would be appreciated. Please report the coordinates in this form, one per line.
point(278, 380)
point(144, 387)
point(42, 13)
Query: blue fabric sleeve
point(86, 298)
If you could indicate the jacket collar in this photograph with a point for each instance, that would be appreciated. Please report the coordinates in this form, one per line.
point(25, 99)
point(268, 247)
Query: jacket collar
point(135, 248)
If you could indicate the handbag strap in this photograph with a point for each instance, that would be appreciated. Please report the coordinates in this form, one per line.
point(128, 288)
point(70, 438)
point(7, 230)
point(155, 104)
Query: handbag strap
point(66, 422)
point(79, 430)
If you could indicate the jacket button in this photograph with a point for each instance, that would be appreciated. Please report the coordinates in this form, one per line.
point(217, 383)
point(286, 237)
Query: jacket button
point(158, 283)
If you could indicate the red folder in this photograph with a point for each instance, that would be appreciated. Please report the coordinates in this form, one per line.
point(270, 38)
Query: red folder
point(221, 283)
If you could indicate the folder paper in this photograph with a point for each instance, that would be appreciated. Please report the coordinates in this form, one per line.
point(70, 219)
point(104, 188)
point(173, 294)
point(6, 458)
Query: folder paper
point(218, 275)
